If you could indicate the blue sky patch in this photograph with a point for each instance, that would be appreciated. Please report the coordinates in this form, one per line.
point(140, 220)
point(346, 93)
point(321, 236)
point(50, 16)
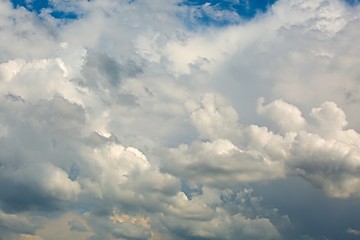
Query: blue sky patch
point(245, 8)
point(222, 13)
point(207, 12)
point(38, 5)
point(353, 2)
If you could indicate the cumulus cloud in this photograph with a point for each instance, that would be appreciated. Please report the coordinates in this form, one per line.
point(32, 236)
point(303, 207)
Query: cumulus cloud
point(329, 159)
point(220, 163)
point(211, 117)
point(118, 126)
point(286, 116)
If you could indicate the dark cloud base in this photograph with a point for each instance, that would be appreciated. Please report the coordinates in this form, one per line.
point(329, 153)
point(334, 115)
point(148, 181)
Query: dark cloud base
point(309, 209)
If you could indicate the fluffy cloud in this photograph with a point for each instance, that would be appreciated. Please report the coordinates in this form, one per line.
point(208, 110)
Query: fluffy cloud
point(287, 117)
point(212, 118)
point(328, 158)
point(220, 163)
point(118, 126)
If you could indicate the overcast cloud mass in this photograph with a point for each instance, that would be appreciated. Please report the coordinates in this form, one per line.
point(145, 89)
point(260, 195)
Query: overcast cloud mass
point(164, 120)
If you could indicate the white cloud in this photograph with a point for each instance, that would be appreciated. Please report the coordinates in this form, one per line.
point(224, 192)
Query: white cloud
point(286, 116)
point(323, 153)
point(329, 117)
point(220, 163)
point(212, 118)
point(22, 32)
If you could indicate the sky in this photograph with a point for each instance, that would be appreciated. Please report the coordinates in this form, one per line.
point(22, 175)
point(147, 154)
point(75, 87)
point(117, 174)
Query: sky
point(169, 119)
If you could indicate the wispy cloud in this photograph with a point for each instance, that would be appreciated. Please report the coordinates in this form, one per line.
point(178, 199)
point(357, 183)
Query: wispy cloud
point(353, 231)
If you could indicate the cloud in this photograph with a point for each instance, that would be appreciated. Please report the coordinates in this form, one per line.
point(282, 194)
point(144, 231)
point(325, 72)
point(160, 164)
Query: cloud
point(353, 231)
point(220, 163)
point(323, 152)
point(286, 116)
point(329, 163)
point(213, 14)
point(126, 123)
point(212, 118)
point(66, 225)
point(213, 221)
point(13, 224)
point(329, 116)
point(24, 30)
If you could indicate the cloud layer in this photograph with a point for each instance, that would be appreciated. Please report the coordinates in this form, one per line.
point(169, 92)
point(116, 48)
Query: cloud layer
point(126, 123)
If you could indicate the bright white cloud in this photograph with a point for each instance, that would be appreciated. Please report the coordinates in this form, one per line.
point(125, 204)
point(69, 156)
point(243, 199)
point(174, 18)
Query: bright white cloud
point(212, 118)
point(287, 117)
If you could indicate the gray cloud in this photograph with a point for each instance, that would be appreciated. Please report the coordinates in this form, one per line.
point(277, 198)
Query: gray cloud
point(353, 231)
point(12, 224)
